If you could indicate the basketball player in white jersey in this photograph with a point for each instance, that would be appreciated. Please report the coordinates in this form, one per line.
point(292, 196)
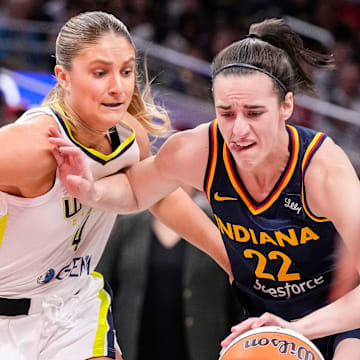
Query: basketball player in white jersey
point(52, 304)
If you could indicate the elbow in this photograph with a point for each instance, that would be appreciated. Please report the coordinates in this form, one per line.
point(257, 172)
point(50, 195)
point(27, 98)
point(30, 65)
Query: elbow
point(156, 208)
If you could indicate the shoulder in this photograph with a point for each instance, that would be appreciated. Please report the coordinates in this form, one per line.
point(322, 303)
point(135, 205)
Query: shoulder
point(185, 154)
point(330, 172)
point(188, 143)
point(142, 137)
point(27, 147)
point(27, 138)
point(188, 140)
point(330, 159)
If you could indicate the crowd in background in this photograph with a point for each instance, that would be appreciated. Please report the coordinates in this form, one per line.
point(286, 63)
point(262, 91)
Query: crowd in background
point(199, 28)
point(202, 27)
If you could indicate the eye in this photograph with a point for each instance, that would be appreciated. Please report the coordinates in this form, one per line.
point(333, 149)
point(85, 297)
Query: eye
point(255, 113)
point(127, 72)
point(99, 73)
point(227, 114)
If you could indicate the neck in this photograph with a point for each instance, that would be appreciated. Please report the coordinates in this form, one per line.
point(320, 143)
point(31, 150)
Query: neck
point(273, 165)
point(80, 130)
point(82, 126)
point(88, 137)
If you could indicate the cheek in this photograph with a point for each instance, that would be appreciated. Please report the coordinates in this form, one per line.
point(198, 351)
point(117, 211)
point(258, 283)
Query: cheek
point(90, 91)
point(225, 129)
point(129, 90)
point(81, 88)
point(131, 84)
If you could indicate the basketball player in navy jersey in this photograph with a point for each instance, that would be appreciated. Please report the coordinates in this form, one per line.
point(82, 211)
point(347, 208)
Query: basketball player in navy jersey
point(281, 195)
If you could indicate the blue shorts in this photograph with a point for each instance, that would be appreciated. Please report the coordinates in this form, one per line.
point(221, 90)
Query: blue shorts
point(328, 344)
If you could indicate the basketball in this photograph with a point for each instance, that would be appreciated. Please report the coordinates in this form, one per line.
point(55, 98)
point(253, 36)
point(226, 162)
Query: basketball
point(271, 343)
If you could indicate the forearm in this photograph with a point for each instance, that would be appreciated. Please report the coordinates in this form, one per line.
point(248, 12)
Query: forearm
point(114, 194)
point(339, 316)
point(181, 214)
point(138, 188)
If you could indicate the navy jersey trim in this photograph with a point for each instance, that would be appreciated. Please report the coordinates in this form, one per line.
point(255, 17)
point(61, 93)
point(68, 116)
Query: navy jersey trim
point(213, 154)
point(253, 206)
point(94, 154)
point(310, 151)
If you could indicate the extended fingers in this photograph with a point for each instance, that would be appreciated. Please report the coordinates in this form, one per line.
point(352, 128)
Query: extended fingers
point(264, 319)
point(67, 150)
point(237, 330)
point(270, 319)
point(57, 155)
point(244, 325)
point(60, 141)
point(228, 340)
point(57, 139)
point(63, 153)
point(53, 131)
point(76, 184)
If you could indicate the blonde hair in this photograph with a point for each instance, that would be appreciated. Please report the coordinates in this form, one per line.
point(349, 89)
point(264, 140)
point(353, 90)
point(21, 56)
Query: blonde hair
point(85, 29)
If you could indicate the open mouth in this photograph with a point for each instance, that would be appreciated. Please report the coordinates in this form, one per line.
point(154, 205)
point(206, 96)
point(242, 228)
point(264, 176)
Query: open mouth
point(112, 105)
point(241, 147)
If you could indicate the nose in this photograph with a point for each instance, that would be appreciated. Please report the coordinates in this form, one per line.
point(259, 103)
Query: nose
point(115, 84)
point(241, 127)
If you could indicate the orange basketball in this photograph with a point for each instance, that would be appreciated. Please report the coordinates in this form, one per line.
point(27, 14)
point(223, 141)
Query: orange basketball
point(271, 343)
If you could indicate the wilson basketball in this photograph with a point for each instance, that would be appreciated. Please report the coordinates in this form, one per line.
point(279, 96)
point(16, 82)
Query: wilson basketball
point(271, 343)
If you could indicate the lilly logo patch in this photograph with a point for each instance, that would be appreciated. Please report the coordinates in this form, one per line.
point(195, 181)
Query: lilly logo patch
point(292, 205)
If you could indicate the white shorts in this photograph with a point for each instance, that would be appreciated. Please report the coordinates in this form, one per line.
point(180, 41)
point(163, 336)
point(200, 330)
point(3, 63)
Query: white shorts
point(78, 328)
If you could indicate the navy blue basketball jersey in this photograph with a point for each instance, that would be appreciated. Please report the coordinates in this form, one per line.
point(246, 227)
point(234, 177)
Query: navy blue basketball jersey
point(282, 255)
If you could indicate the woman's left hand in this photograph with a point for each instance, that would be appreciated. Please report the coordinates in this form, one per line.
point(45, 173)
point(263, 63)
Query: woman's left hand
point(74, 171)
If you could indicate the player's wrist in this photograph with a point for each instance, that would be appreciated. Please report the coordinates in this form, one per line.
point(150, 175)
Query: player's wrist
point(309, 327)
point(300, 326)
point(95, 193)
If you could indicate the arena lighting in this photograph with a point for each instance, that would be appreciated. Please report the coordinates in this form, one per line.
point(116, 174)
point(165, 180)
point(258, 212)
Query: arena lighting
point(33, 86)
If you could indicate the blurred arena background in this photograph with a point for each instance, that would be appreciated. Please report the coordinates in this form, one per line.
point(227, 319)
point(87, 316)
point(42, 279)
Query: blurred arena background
point(178, 39)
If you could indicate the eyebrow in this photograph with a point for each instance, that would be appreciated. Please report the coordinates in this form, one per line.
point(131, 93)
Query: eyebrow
point(104, 61)
point(254, 106)
point(228, 107)
point(223, 107)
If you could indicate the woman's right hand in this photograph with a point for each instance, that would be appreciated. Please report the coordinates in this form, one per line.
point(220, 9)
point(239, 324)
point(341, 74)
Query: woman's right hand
point(74, 171)
point(266, 319)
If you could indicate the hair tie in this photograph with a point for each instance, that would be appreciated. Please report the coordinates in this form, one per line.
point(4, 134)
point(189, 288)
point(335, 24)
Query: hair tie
point(253, 36)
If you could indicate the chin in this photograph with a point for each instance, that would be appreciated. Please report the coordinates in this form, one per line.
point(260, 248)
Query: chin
point(248, 165)
point(244, 158)
point(110, 120)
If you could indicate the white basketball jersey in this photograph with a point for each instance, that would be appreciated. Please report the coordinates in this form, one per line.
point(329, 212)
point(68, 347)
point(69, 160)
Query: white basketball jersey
point(51, 243)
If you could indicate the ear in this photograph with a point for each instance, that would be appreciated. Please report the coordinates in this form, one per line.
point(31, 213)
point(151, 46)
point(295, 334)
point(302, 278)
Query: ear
point(62, 76)
point(287, 106)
